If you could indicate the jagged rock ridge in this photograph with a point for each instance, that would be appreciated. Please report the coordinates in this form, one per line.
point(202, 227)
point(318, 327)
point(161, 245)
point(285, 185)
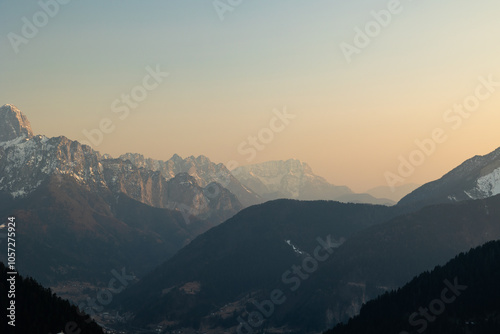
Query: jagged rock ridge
point(26, 161)
point(294, 179)
point(201, 169)
point(13, 124)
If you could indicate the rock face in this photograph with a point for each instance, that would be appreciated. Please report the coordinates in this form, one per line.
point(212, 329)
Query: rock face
point(201, 169)
point(72, 206)
point(26, 161)
point(287, 179)
point(72, 234)
point(476, 178)
point(294, 179)
point(13, 124)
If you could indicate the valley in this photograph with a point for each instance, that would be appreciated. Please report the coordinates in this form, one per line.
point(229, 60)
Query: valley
point(249, 167)
point(183, 254)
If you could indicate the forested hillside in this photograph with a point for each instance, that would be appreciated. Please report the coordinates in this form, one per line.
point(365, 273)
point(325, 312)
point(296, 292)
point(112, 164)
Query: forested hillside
point(462, 297)
point(39, 311)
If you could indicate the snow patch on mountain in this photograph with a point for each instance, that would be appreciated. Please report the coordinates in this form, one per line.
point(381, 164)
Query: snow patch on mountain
point(295, 249)
point(27, 161)
point(476, 178)
point(490, 184)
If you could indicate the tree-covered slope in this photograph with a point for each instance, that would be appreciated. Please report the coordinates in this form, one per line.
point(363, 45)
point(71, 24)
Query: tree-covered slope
point(461, 297)
point(38, 310)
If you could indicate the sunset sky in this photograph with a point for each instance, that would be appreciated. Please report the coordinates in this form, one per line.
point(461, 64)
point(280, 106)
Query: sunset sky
point(228, 78)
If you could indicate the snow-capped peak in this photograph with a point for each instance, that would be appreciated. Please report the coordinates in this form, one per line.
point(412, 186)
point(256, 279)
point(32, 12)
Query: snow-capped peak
point(13, 124)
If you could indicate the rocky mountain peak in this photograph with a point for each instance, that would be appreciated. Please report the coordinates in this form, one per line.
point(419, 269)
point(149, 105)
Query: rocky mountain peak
point(185, 179)
point(201, 159)
point(176, 158)
point(200, 169)
point(13, 124)
point(476, 178)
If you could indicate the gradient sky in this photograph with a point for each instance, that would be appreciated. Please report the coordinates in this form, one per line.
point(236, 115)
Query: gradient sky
point(353, 120)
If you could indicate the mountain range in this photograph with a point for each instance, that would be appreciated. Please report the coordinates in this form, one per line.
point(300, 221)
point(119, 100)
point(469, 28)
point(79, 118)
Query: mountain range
point(378, 249)
point(207, 248)
point(27, 161)
point(294, 179)
point(80, 204)
point(393, 193)
point(203, 171)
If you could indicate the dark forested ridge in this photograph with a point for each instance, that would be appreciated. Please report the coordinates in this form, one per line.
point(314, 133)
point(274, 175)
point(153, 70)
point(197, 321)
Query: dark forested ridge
point(39, 311)
point(222, 272)
point(461, 297)
point(65, 229)
point(246, 254)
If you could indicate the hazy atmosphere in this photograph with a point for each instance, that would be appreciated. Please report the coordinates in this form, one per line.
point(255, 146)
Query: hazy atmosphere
point(357, 108)
point(249, 166)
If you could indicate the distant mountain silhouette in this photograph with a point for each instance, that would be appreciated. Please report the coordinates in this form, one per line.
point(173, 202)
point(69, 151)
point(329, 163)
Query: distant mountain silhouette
point(394, 194)
point(294, 179)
